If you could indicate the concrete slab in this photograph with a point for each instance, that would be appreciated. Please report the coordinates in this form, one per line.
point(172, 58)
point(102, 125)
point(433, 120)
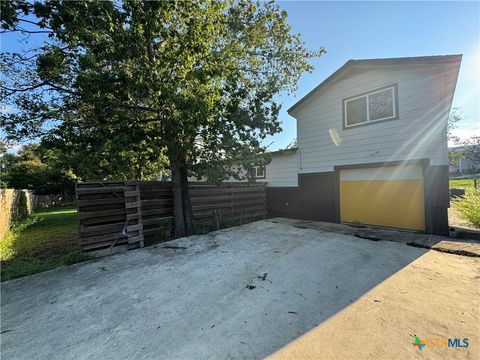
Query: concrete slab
point(435, 298)
point(460, 246)
point(243, 292)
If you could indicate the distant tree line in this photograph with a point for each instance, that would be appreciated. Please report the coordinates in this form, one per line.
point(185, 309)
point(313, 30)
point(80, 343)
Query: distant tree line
point(469, 148)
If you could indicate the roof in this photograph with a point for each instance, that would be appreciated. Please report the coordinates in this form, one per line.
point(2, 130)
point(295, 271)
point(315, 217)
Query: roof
point(356, 65)
point(284, 151)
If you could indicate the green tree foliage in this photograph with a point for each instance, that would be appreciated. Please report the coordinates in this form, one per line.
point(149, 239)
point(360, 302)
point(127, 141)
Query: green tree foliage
point(37, 169)
point(454, 156)
point(469, 206)
point(453, 119)
point(190, 82)
point(471, 150)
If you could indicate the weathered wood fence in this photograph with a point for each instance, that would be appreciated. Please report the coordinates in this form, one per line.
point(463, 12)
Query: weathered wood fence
point(115, 214)
point(15, 204)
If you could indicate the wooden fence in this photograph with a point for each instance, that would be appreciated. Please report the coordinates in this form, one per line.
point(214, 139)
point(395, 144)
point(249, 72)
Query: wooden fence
point(114, 214)
point(15, 204)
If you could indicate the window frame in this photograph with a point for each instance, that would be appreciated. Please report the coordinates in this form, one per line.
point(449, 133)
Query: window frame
point(394, 89)
point(264, 171)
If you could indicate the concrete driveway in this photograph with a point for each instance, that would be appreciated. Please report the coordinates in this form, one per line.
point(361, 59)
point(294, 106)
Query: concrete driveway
point(243, 292)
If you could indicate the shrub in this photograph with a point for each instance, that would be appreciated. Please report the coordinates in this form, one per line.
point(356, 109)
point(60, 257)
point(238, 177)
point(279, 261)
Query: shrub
point(469, 206)
point(228, 222)
point(22, 207)
point(164, 232)
point(202, 229)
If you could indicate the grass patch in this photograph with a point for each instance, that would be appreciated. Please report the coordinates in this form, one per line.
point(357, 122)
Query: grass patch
point(469, 206)
point(462, 183)
point(43, 241)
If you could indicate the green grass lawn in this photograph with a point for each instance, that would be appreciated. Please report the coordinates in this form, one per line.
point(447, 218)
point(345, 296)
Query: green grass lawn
point(462, 183)
point(45, 240)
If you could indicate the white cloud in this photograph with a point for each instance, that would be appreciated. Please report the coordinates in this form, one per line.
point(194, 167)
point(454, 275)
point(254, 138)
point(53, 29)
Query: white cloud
point(465, 133)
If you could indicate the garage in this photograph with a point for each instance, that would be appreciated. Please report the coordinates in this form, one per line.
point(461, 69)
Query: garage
point(391, 196)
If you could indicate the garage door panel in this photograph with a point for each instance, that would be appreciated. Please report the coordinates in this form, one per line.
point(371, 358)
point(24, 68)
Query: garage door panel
point(375, 193)
point(409, 220)
point(385, 202)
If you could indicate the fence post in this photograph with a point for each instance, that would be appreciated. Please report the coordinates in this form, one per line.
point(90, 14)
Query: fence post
point(216, 219)
point(134, 231)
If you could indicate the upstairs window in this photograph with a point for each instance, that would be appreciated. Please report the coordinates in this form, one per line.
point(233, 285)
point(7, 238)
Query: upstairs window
point(376, 105)
point(259, 172)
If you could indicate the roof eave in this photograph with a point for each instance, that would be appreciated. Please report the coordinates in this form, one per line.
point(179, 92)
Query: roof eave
point(420, 60)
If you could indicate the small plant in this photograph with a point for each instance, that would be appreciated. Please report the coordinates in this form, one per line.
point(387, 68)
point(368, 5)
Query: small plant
point(75, 257)
point(230, 222)
point(22, 208)
point(202, 229)
point(164, 232)
point(469, 206)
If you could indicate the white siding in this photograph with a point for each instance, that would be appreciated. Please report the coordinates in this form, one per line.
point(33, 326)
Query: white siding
point(424, 98)
point(282, 171)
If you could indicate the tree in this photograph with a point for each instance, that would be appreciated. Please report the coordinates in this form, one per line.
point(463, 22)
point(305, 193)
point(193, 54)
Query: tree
point(454, 155)
point(453, 119)
point(3, 152)
point(191, 81)
point(36, 169)
point(293, 144)
point(3, 148)
point(471, 150)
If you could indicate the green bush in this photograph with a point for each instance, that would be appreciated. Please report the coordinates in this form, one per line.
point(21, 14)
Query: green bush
point(228, 222)
point(164, 232)
point(469, 206)
point(202, 229)
point(22, 207)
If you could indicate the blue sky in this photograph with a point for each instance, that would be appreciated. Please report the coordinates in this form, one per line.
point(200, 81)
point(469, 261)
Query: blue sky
point(364, 30)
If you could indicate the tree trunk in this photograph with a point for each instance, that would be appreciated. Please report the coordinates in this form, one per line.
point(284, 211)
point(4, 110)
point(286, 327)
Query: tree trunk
point(187, 203)
point(178, 217)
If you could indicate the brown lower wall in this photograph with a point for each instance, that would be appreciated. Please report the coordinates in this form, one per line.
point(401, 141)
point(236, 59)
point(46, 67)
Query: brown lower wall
point(283, 202)
point(317, 198)
point(317, 194)
point(437, 199)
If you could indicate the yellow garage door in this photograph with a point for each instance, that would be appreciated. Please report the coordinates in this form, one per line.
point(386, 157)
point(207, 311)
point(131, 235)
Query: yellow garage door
point(387, 196)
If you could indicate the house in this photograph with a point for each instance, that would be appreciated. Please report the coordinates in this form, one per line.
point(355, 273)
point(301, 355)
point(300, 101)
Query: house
point(464, 165)
point(372, 147)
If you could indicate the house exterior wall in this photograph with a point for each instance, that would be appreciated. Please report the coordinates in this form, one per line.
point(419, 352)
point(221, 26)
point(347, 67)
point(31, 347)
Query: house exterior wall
point(282, 171)
point(418, 133)
point(417, 136)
